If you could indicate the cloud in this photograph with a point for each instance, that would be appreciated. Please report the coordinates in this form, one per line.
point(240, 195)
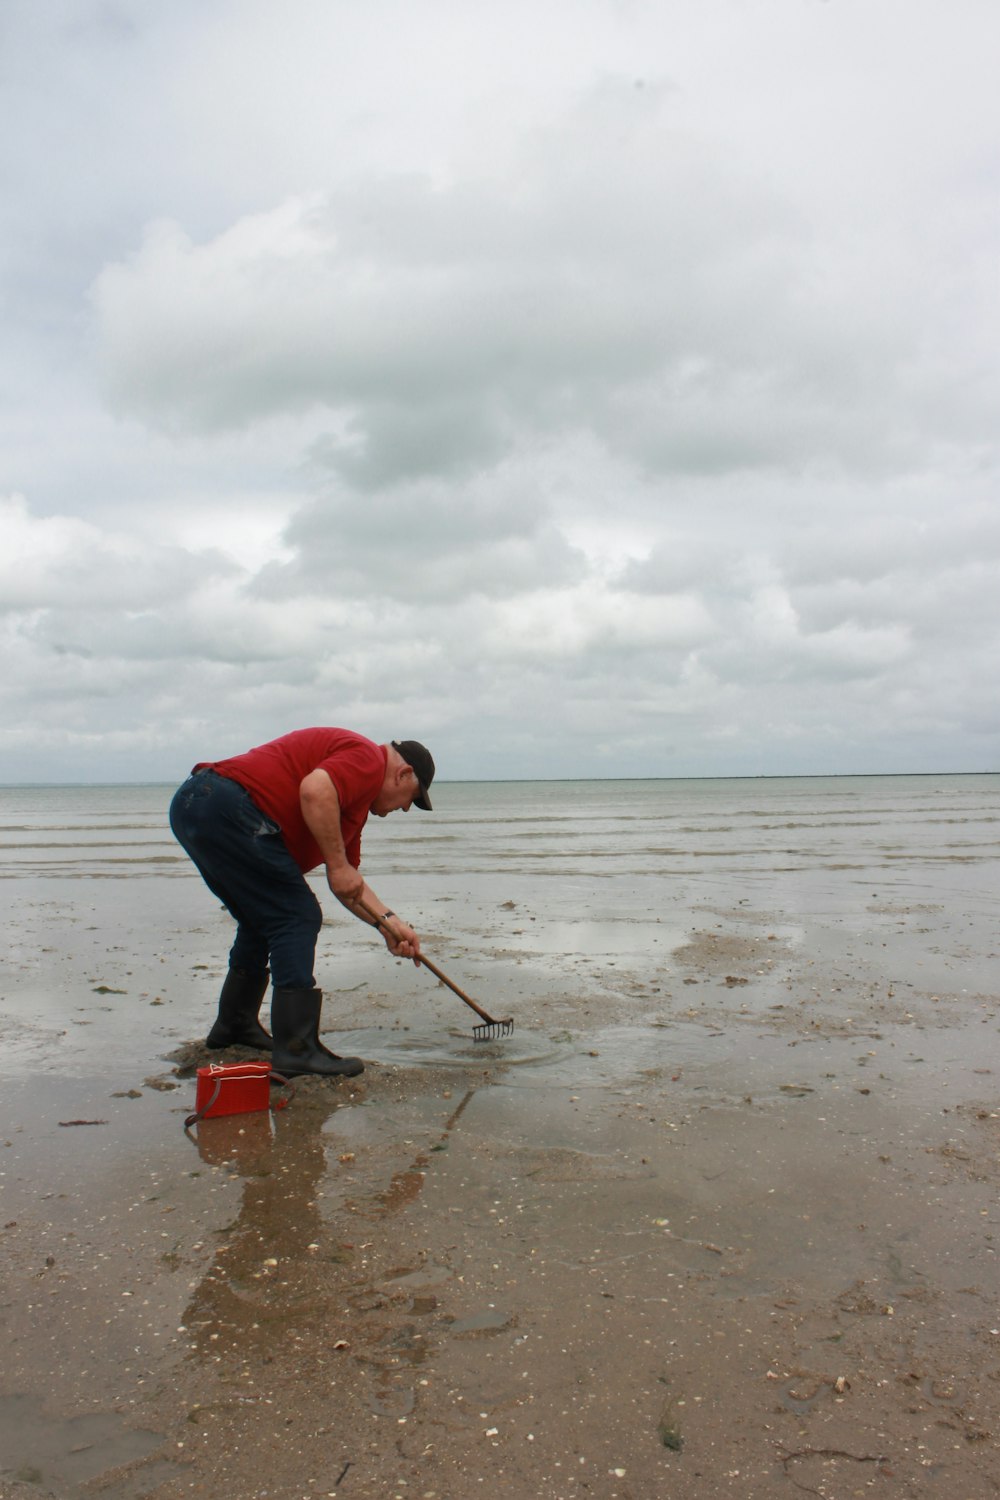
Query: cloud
point(595, 624)
point(682, 311)
point(65, 562)
point(445, 325)
point(426, 542)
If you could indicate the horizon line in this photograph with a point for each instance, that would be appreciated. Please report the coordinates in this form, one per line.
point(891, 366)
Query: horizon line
point(568, 780)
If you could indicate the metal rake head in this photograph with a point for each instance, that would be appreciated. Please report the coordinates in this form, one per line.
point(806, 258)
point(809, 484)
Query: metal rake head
point(490, 1030)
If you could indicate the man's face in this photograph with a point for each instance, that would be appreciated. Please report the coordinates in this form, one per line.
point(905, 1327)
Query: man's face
point(398, 792)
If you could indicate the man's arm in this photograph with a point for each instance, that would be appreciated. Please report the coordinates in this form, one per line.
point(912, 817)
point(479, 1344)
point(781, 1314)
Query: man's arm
point(321, 811)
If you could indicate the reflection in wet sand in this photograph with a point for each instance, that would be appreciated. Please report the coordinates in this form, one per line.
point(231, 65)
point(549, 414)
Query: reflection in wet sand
point(254, 1290)
point(282, 1274)
point(405, 1184)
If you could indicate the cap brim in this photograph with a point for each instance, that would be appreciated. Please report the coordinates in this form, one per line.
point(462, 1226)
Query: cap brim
point(423, 801)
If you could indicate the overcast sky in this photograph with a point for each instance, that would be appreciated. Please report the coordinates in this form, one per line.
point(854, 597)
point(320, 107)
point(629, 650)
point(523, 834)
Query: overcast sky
point(586, 387)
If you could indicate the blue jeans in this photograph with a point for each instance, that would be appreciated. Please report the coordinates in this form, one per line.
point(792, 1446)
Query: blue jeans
point(243, 860)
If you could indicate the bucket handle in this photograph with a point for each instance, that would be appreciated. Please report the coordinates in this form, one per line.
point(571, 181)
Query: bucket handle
point(272, 1077)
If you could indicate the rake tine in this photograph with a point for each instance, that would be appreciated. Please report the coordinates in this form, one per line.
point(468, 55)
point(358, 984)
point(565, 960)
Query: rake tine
point(490, 1030)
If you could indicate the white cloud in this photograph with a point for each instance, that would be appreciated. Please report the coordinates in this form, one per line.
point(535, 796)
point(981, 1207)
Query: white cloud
point(71, 564)
point(689, 317)
point(592, 622)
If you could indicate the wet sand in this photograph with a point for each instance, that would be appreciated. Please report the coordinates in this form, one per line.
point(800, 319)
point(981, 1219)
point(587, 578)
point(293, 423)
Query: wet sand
point(719, 1218)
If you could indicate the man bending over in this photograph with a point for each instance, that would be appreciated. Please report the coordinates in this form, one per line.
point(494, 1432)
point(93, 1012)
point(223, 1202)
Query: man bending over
point(255, 825)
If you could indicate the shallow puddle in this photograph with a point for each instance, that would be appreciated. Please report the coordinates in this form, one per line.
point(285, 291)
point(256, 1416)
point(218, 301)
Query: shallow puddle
point(40, 1449)
point(593, 938)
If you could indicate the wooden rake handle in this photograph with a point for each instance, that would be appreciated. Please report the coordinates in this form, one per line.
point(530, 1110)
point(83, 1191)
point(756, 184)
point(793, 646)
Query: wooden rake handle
point(429, 964)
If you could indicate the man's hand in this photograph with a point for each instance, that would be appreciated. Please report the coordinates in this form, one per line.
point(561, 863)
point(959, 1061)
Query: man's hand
point(346, 883)
point(401, 940)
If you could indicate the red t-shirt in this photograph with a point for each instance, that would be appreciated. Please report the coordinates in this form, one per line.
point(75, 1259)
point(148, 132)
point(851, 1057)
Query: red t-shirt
point(273, 773)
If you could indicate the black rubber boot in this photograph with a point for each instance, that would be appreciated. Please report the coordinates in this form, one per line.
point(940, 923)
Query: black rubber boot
point(239, 1005)
point(297, 1047)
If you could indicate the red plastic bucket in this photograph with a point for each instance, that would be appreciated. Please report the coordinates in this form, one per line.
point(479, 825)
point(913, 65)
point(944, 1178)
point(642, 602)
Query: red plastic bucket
point(234, 1089)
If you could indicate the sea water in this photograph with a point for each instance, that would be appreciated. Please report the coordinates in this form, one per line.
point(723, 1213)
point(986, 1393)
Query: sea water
point(557, 868)
point(598, 830)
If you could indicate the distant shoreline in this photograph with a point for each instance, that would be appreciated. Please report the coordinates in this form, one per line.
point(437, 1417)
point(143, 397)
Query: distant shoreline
point(24, 786)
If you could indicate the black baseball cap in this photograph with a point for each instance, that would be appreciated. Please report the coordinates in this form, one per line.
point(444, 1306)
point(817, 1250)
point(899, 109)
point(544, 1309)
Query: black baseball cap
point(421, 763)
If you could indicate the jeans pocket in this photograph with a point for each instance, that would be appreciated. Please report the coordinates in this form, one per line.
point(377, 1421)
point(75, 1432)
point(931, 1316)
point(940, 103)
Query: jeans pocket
point(186, 794)
point(255, 822)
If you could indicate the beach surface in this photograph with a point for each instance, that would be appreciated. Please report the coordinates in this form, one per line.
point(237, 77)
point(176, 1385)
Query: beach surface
point(719, 1218)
